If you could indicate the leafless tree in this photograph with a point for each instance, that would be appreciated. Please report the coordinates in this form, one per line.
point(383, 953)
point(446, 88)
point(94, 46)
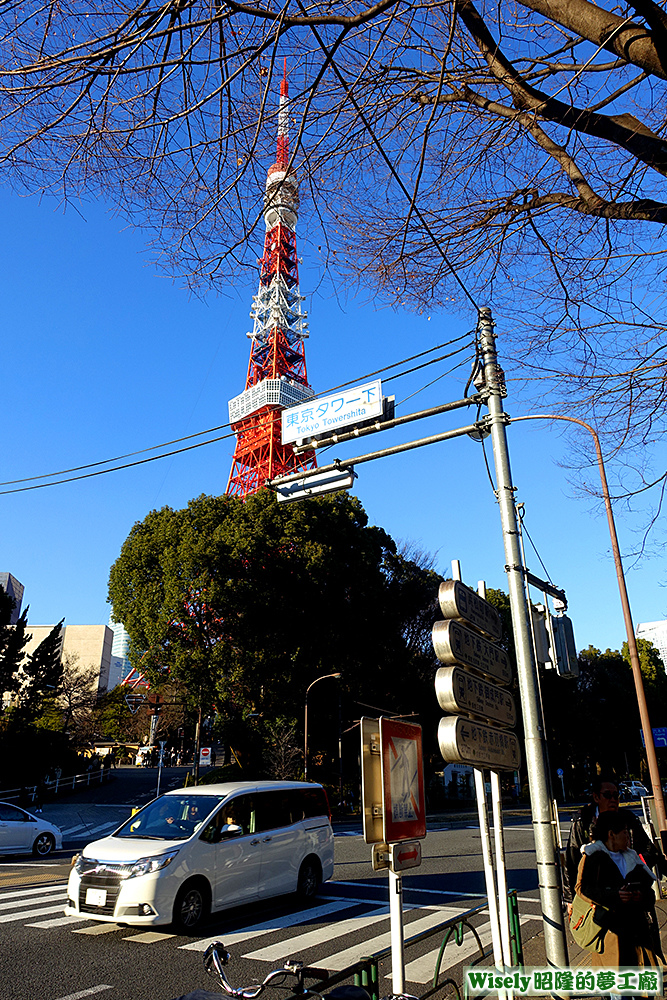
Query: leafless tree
point(76, 697)
point(514, 148)
point(283, 755)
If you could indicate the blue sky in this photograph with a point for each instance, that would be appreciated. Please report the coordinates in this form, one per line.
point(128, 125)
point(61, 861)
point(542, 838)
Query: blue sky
point(104, 356)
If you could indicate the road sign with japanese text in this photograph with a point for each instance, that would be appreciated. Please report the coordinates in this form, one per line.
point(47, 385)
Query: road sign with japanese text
point(463, 741)
point(329, 413)
point(460, 602)
point(462, 692)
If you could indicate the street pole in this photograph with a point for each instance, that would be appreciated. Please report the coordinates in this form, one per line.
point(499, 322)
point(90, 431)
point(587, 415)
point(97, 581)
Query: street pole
point(305, 722)
point(197, 741)
point(627, 618)
point(535, 738)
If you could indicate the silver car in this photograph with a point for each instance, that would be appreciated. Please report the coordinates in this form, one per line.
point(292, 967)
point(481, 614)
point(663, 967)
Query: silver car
point(23, 833)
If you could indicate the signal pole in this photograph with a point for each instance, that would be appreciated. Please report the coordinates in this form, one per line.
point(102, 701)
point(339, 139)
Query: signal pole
point(548, 865)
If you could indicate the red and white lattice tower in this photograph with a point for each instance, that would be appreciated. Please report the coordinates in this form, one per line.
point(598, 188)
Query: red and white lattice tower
point(277, 370)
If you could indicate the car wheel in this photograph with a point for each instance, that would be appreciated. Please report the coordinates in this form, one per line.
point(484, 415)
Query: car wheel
point(310, 878)
point(191, 906)
point(43, 845)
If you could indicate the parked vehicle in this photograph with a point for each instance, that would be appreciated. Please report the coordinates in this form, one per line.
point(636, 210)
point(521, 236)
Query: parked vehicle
point(197, 850)
point(635, 789)
point(23, 833)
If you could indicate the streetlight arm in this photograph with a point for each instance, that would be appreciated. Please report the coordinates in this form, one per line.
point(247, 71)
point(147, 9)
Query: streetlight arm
point(305, 721)
point(627, 616)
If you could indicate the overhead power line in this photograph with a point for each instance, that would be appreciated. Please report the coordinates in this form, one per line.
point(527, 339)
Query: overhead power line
point(200, 444)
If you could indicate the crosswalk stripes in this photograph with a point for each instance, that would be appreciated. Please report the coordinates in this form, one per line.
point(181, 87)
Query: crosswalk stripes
point(311, 938)
point(280, 923)
point(94, 832)
point(341, 959)
point(15, 900)
point(313, 928)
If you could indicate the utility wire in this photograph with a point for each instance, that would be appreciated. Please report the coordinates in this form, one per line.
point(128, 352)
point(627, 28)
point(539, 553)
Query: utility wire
point(200, 444)
point(116, 468)
point(527, 534)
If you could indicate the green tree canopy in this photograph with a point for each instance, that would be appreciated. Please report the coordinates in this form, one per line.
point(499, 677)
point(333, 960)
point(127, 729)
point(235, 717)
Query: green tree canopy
point(248, 601)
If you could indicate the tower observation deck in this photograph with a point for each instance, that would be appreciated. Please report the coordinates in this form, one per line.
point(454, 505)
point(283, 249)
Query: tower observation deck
point(277, 375)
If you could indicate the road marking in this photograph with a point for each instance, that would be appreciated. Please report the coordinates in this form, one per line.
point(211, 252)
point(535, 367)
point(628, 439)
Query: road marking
point(15, 904)
point(29, 864)
point(382, 887)
point(33, 892)
point(85, 993)
point(280, 923)
point(149, 937)
point(97, 929)
point(314, 937)
point(74, 829)
point(58, 922)
point(341, 959)
point(9, 917)
point(109, 826)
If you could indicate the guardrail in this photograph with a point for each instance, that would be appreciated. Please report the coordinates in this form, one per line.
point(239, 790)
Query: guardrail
point(56, 785)
point(366, 970)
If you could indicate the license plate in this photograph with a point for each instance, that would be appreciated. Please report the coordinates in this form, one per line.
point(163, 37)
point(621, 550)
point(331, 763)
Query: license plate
point(96, 897)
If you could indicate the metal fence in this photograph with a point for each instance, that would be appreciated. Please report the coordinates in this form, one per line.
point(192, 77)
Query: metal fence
point(56, 786)
point(453, 930)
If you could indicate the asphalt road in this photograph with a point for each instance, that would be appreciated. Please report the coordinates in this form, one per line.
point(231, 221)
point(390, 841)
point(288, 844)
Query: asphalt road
point(50, 957)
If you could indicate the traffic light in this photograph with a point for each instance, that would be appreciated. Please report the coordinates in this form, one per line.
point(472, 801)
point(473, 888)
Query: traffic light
point(155, 703)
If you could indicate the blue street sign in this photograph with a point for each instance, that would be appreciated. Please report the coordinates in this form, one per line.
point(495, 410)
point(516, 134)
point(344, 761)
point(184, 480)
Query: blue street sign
point(659, 738)
point(559, 772)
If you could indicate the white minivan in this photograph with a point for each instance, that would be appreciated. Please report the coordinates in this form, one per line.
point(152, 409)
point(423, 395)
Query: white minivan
point(197, 850)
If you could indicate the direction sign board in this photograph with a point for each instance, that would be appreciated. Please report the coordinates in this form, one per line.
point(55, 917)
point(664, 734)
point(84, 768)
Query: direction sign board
point(454, 643)
point(403, 781)
point(459, 691)
point(329, 413)
point(464, 742)
point(460, 602)
point(659, 737)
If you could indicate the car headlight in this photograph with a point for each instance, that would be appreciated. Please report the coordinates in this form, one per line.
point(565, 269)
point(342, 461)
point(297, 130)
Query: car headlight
point(146, 865)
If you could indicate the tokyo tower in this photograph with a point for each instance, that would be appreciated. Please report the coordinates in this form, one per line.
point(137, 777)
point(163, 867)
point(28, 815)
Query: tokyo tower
point(277, 370)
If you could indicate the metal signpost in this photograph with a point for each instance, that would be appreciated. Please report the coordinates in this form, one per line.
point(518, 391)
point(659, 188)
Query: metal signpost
point(468, 638)
point(463, 688)
point(394, 811)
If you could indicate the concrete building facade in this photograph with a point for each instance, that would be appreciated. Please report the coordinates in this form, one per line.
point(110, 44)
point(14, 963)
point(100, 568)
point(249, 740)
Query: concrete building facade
point(15, 589)
point(655, 632)
point(90, 645)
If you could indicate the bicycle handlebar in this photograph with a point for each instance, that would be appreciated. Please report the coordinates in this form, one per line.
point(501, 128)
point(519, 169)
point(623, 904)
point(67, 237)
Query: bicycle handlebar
point(216, 957)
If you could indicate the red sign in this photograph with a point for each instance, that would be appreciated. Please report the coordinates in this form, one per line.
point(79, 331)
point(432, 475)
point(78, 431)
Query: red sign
point(403, 781)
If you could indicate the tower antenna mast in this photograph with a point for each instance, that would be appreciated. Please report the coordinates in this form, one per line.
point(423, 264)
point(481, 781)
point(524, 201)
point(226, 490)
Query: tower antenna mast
point(277, 375)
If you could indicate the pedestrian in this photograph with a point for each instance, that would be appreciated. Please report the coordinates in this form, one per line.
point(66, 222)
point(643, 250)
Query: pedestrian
point(213, 758)
point(613, 876)
point(604, 799)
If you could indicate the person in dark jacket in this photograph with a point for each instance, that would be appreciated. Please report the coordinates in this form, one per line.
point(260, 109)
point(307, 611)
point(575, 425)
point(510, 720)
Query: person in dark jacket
point(605, 799)
point(614, 876)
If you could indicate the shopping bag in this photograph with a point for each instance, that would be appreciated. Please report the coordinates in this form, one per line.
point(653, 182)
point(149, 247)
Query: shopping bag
point(588, 924)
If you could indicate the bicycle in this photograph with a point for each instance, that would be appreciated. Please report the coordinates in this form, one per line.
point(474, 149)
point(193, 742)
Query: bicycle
point(217, 957)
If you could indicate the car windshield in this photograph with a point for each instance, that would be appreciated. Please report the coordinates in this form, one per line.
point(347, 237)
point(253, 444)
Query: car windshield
point(171, 817)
